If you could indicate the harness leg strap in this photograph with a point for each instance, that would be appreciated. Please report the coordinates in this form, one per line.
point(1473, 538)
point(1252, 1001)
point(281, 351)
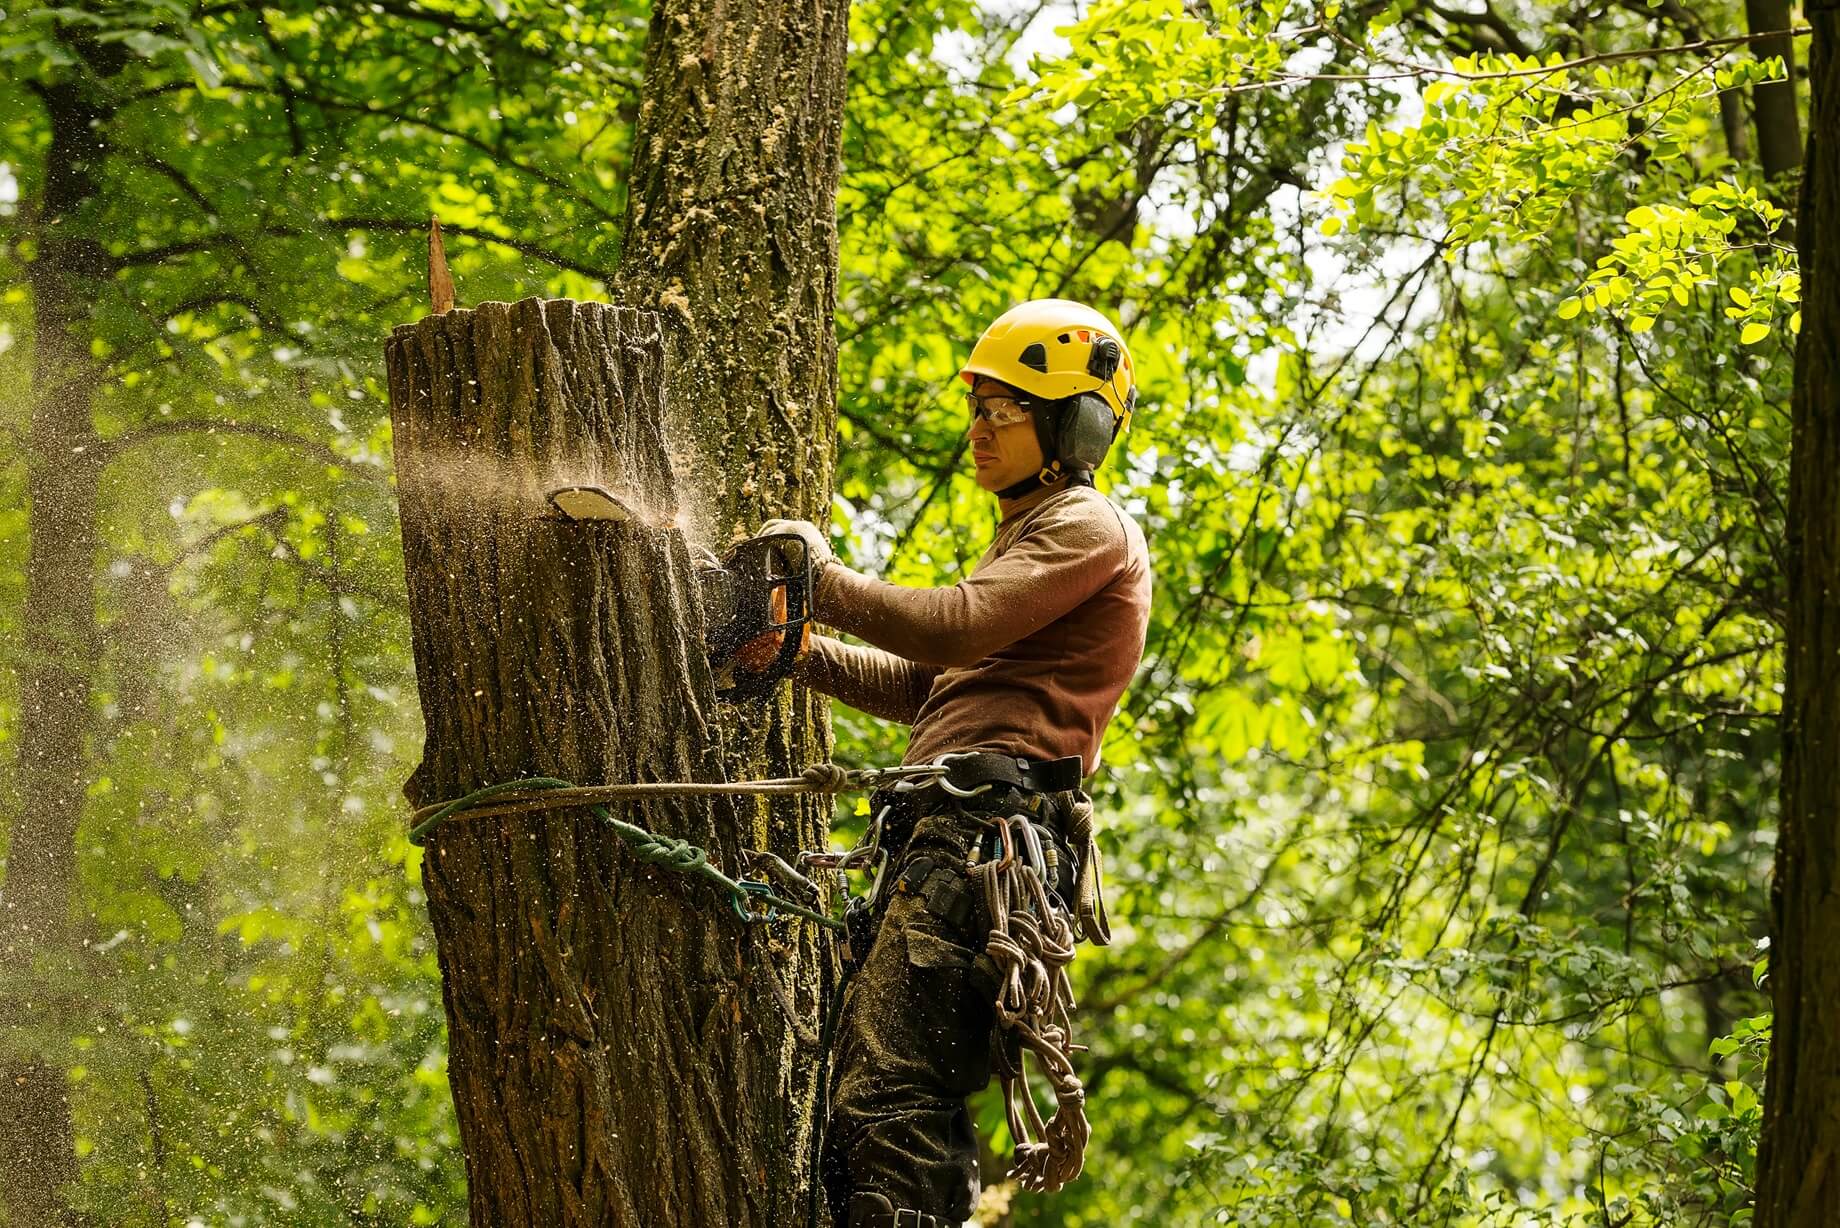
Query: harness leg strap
point(871, 1210)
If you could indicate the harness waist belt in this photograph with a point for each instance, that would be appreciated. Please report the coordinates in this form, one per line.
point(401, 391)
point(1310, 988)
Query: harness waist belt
point(974, 768)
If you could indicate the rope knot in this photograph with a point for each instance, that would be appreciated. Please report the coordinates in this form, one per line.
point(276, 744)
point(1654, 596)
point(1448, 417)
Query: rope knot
point(670, 852)
point(826, 778)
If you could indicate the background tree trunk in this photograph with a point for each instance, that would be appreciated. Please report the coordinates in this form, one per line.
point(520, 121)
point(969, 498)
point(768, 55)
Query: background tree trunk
point(1779, 136)
point(38, 953)
point(1798, 1178)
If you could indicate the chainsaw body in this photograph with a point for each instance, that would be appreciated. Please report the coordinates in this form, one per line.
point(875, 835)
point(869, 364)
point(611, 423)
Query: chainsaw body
point(742, 602)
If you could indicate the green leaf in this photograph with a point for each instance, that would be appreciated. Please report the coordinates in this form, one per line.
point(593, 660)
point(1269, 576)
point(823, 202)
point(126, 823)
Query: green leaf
point(1570, 306)
point(1753, 333)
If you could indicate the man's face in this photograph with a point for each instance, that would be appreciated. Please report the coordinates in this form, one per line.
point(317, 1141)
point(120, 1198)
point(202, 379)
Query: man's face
point(1004, 452)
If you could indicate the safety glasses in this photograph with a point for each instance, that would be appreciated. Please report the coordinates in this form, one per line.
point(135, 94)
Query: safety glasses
point(996, 408)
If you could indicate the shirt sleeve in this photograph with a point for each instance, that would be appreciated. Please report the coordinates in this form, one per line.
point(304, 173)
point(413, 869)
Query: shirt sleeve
point(867, 679)
point(1070, 551)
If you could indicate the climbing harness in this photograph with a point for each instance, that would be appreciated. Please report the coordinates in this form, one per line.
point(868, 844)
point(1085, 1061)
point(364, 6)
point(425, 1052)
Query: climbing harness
point(1038, 906)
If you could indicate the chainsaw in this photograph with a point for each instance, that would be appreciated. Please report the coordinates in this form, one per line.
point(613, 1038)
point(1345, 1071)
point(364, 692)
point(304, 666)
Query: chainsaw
point(762, 585)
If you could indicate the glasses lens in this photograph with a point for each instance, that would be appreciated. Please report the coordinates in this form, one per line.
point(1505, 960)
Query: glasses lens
point(998, 409)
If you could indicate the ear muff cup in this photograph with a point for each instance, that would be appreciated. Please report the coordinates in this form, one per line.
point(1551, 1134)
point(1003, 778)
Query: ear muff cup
point(1085, 430)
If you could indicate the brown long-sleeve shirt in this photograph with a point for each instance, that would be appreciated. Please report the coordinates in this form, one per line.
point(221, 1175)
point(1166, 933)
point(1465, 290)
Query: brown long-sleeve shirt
point(1026, 656)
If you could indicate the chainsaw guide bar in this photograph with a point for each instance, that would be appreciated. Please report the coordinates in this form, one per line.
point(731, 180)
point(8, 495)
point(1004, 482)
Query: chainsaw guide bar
point(741, 593)
point(589, 503)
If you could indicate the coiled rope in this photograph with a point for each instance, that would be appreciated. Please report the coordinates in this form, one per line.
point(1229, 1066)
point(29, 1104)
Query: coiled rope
point(1032, 942)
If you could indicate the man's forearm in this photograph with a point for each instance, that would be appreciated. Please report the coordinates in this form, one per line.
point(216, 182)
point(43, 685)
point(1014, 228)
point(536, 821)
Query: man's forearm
point(1035, 582)
point(867, 679)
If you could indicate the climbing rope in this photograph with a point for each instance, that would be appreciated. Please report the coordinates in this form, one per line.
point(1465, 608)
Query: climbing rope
point(524, 796)
point(1032, 942)
point(745, 895)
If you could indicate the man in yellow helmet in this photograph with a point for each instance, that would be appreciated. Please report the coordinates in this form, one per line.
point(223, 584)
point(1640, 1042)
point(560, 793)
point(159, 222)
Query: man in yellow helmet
point(1011, 675)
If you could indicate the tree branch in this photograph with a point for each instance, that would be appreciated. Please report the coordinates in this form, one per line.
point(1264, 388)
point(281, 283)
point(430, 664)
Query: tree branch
point(337, 225)
point(1506, 36)
point(115, 445)
point(467, 138)
point(1409, 70)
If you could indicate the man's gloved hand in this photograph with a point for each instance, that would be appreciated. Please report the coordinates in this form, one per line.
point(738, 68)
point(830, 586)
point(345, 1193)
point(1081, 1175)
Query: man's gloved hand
point(815, 541)
point(758, 653)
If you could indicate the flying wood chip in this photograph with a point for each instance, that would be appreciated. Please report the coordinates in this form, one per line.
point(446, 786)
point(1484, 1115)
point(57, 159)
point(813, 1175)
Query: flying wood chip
point(440, 284)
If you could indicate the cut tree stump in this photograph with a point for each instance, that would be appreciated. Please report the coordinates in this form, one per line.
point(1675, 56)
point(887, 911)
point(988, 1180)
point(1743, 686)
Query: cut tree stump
point(602, 1015)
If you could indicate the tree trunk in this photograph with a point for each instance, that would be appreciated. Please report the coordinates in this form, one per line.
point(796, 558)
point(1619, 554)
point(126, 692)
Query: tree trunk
point(1779, 137)
point(37, 951)
point(616, 1054)
point(732, 237)
point(632, 1067)
point(1798, 1177)
point(1732, 122)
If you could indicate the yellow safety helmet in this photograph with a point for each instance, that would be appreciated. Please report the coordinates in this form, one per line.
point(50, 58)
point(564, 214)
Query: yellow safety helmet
point(1055, 348)
point(1072, 372)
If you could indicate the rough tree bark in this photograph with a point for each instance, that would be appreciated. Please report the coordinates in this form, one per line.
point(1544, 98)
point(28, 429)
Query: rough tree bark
point(731, 235)
point(618, 1052)
point(1798, 1163)
point(38, 955)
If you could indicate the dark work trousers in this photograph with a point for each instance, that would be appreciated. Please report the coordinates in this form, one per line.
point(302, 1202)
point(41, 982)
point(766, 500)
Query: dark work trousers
point(913, 1041)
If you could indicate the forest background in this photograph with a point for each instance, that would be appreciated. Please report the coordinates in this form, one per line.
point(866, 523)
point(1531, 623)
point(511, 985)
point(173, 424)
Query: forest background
point(1440, 818)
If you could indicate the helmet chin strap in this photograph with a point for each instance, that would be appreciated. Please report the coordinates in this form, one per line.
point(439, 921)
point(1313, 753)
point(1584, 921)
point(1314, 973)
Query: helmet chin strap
point(1049, 475)
point(1046, 418)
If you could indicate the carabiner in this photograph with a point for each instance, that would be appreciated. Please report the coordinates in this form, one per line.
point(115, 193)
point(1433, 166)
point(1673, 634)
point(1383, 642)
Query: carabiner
point(746, 887)
point(944, 762)
point(1031, 846)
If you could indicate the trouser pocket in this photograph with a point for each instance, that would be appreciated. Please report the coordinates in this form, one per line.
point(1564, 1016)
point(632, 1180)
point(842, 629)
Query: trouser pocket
point(913, 1042)
point(949, 1015)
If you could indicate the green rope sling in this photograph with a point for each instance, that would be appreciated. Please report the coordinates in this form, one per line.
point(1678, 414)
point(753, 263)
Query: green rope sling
point(745, 896)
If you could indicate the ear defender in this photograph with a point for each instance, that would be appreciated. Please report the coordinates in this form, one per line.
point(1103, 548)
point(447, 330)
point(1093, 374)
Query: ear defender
point(1087, 425)
point(1086, 430)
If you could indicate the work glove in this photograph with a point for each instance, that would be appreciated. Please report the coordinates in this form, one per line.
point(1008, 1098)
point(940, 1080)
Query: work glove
point(759, 652)
point(815, 541)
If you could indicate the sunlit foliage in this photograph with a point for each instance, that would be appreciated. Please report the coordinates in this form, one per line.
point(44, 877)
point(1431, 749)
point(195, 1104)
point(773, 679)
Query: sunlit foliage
point(1438, 819)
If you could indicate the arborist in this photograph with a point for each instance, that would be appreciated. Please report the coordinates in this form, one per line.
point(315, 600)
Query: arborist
point(1010, 676)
